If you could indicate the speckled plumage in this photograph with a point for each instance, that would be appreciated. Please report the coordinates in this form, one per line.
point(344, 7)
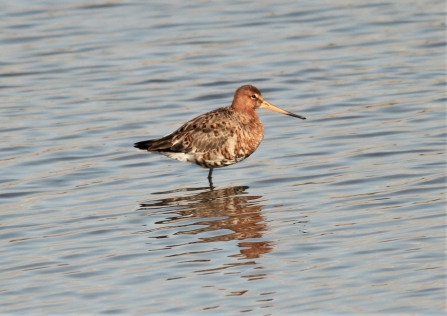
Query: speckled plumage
point(218, 138)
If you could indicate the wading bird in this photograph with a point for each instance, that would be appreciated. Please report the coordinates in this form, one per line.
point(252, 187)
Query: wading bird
point(218, 138)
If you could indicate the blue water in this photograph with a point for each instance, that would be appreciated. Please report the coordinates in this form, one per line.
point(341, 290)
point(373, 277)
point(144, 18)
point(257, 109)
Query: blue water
point(341, 213)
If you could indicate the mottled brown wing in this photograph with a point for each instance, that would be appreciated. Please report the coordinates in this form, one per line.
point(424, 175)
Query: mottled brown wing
point(204, 133)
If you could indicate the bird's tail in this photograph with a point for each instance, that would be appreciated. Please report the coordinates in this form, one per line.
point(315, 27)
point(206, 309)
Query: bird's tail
point(160, 144)
point(144, 145)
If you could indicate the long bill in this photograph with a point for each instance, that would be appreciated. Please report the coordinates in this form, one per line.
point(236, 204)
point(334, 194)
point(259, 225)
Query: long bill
point(273, 108)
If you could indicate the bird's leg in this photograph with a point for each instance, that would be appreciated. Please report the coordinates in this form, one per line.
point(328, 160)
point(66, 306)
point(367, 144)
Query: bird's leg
point(210, 182)
point(210, 179)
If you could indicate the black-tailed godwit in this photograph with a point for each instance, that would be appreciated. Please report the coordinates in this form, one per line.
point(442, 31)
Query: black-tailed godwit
point(218, 138)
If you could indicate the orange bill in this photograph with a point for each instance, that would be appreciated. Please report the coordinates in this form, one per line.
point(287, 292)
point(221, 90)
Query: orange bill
point(273, 108)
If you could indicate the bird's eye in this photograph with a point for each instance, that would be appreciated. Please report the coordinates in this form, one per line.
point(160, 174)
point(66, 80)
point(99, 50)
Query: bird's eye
point(253, 96)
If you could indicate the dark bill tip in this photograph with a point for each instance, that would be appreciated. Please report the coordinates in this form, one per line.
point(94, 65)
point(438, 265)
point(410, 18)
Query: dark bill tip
point(298, 116)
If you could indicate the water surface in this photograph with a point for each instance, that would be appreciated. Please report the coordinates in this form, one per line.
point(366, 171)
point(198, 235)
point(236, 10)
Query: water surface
point(341, 213)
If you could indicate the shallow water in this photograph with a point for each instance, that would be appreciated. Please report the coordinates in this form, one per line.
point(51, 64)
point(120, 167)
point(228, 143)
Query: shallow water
point(341, 213)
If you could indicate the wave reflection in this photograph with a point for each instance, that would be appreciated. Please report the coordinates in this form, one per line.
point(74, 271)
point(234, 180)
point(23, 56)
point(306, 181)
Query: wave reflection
point(221, 215)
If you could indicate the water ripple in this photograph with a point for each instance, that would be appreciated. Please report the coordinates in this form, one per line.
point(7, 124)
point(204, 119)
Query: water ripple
point(341, 213)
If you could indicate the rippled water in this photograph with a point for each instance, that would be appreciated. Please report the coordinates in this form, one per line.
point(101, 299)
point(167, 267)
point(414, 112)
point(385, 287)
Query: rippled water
point(341, 213)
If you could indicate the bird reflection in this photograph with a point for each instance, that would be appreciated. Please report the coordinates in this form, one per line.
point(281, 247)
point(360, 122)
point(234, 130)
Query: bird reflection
point(228, 209)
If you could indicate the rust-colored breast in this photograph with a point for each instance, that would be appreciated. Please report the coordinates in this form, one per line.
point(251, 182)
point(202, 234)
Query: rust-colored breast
point(249, 134)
